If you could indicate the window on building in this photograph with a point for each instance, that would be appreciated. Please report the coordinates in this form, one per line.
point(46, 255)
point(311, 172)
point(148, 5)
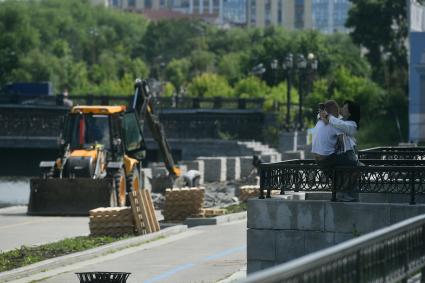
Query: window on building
point(268, 12)
point(299, 14)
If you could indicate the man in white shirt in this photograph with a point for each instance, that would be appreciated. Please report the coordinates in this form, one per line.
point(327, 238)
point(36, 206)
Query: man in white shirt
point(325, 137)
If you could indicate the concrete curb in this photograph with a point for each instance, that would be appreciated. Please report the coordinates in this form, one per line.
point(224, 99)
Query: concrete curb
point(191, 222)
point(11, 208)
point(88, 254)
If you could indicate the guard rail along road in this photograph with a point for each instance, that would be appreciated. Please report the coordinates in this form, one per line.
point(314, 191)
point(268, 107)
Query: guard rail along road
point(392, 254)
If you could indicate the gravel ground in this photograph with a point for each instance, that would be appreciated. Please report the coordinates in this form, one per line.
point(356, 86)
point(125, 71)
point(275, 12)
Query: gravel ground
point(217, 194)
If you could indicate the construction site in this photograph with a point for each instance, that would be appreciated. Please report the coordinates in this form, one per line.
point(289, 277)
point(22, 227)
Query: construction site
point(116, 170)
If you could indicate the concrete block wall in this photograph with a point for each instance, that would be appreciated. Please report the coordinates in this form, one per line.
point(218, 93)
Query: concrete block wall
point(217, 160)
point(280, 230)
point(215, 169)
point(246, 165)
point(233, 168)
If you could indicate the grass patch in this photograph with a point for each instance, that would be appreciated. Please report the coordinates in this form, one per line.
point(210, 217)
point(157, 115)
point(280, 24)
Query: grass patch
point(29, 255)
point(234, 208)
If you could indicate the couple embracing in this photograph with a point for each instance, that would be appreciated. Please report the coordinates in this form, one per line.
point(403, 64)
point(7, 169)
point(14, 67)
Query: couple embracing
point(334, 144)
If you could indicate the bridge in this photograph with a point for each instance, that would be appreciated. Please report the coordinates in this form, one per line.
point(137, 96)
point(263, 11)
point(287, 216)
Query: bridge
point(31, 126)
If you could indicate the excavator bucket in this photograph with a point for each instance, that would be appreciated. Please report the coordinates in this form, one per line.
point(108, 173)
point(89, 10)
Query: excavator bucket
point(68, 196)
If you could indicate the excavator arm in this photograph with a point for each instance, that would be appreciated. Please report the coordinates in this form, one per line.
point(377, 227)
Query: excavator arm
point(143, 106)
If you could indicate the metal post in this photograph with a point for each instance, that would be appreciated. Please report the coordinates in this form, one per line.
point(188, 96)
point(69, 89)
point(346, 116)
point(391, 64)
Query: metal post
point(333, 185)
point(288, 98)
point(261, 182)
point(412, 188)
point(300, 105)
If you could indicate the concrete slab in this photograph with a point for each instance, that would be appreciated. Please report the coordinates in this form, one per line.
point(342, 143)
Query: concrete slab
point(246, 165)
point(257, 265)
point(400, 212)
point(342, 237)
point(315, 241)
point(355, 217)
point(215, 169)
point(233, 166)
point(262, 243)
point(277, 213)
point(289, 243)
point(192, 221)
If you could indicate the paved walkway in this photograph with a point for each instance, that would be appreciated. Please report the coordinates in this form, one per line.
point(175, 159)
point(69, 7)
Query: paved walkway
point(202, 254)
point(17, 229)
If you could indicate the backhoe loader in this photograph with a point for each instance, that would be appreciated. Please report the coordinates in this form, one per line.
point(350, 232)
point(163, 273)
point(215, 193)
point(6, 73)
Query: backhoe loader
point(101, 153)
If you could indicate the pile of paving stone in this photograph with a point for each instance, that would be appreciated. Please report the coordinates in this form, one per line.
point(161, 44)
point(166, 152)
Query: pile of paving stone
point(217, 194)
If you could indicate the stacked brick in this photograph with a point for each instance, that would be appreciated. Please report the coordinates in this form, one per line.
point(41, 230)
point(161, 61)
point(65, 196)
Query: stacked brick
point(251, 191)
point(211, 212)
point(246, 192)
point(183, 203)
point(111, 221)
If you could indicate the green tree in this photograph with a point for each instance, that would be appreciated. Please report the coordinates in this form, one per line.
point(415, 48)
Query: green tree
point(381, 27)
point(165, 40)
point(231, 66)
point(210, 85)
point(251, 87)
point(202, 61)
point(17, 37)
point(177, 72)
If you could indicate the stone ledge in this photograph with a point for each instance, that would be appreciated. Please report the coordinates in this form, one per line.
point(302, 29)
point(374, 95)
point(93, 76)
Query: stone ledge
point(192, 221)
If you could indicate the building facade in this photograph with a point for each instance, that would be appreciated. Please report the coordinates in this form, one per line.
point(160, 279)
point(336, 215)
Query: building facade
point(291, 14)
point(329, 16)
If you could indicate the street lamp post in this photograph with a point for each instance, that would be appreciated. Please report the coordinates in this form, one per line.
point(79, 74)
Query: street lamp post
point(301, 65)
point(274, 65)
point(312, 67)
point(287, 66)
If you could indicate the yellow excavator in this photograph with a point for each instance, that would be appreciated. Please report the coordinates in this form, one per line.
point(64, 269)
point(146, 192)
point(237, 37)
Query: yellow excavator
point(100, 162)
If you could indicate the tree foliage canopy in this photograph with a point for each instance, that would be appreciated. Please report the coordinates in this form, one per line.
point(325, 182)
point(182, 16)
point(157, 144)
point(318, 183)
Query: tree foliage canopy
point(88, 49)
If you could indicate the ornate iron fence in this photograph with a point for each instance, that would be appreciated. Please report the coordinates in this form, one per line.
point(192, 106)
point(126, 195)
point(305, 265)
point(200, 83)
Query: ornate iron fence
point(393, 153)
point(162, 102)
point(392, 254)
point(375, 176)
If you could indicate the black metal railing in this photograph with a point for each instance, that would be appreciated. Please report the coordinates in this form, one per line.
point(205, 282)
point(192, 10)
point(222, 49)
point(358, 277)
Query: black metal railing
point(375, 176)
point(392, 254)
point(162, 102)
point(393, 153)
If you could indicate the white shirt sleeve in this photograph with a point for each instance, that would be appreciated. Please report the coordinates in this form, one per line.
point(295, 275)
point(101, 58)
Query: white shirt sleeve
point(348, 127)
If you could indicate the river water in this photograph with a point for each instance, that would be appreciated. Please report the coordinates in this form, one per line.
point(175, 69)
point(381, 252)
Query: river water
point(14, 191)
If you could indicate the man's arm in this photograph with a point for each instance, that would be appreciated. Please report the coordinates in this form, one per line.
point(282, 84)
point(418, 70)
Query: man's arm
point(348, 127)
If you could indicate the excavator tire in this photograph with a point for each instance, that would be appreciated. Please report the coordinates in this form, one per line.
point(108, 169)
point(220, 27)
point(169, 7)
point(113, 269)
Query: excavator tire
point(120, 184)
point(133, 183)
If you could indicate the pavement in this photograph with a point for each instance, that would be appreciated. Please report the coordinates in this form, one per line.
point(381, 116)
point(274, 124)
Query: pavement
point(17, 228)
point(176, 254)
point(200, 254)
